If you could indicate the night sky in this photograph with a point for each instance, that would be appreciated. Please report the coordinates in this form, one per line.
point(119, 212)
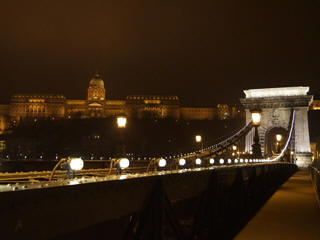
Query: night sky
point(206, 51)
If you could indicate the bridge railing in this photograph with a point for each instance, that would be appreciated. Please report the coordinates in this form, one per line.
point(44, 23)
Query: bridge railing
point(182, 205)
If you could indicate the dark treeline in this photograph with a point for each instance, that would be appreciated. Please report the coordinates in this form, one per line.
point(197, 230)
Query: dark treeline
point(101, 137)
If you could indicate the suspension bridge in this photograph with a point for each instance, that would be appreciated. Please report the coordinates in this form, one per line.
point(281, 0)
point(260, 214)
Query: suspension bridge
point(195, 195)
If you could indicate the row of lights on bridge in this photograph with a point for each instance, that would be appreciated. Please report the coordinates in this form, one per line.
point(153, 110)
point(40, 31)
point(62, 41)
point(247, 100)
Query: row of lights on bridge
point(77, 164)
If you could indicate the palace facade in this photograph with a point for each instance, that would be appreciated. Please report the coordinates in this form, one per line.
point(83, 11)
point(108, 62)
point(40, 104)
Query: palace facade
point(54, 106)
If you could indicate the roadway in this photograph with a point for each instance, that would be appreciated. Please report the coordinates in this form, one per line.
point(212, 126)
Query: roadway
point(291, 213)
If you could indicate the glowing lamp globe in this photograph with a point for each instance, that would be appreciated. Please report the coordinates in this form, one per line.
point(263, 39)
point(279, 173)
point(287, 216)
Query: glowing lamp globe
point(121, 122)
point(198, 138)
point(124, 163)
point(198, 161)
point(278, 137)
point(236, 161)
point(162, 162)
point(221, 161)
point(76, 164)
point(182, 162)
point(211, 161)
point(256, 118)
point(229, 161)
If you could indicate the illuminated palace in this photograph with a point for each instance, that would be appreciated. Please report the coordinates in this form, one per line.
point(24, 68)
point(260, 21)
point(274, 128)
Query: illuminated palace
point(35, 106)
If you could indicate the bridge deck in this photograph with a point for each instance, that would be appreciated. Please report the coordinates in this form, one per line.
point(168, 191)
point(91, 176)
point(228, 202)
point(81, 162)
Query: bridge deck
point(291, 213)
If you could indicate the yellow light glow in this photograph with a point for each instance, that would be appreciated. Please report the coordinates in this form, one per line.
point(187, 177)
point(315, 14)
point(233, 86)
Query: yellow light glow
point(198, 138)
point(122, 177)
point(36, 100)
point(234, 147)
point(162, 162)
point(256, 118)
point(121, 121)
point(74, 182)
point(124, 162)
point(76, 164)
point(278, 137)
point(152, 101)
point(182, 162)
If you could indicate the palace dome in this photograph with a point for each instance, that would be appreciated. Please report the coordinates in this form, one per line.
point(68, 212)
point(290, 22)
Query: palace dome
point(96, 81)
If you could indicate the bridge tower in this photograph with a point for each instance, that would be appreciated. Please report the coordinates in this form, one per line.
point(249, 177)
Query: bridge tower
point(276, 105)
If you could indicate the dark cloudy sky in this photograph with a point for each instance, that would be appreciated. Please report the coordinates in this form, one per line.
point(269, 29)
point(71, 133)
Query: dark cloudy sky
point(205, 51)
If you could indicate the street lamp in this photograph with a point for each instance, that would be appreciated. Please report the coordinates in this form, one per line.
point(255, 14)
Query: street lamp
point(75, 164)
point(161, 162)
point(278, 139)
point(199, 141)
point(291, 156)
point(256, 121)
point(121, 122)
point(124, 163)
point(120, 163)
point(182, 162)
point(198, 161)
point(234, 149)
point(198, 138)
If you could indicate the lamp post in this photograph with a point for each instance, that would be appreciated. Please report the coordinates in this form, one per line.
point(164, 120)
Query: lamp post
point(234, 148)
point(178, 163)
point(198, 161)
point(121, 124)
point(278, 139)
point(120, 163)
point(75, 164)
point(199, 142)
point(291, 156)
point(160, 162)
point(256, 121)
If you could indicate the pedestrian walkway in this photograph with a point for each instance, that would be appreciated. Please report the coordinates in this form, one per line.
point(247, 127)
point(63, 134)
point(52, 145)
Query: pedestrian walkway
point(291, 213)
